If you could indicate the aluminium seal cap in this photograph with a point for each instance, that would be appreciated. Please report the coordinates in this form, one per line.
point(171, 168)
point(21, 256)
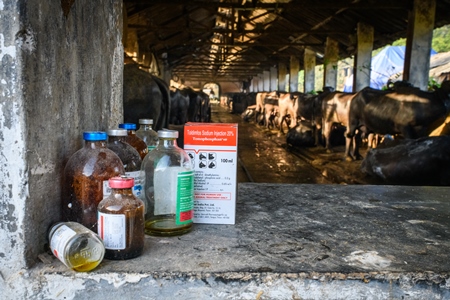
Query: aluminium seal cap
point(121, 182)
point(94, 136)
point(166, 133)
point(146, 121)
point(128, 126)
point(117, 132)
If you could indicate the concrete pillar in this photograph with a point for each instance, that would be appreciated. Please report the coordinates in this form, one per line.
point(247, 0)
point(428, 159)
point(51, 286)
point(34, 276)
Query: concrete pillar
point(261, 82)
point(52, 81)
point(266, 80)
point(363, 58)
point(294, 68)
point(273, 78)
point(418, 46)
point(331, 63)
point(310, 64)
point(282, 71)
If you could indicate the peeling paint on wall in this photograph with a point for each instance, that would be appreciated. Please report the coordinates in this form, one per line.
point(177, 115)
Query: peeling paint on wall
point(6, 50)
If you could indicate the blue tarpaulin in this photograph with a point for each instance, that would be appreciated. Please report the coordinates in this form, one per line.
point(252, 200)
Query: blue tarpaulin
point(386, 64)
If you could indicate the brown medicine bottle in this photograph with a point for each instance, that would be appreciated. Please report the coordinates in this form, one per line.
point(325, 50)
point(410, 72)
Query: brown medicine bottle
point(121, 221)
point(85, 179)
point(134, 140)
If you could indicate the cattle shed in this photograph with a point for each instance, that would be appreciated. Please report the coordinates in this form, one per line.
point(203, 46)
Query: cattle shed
point(61, 74)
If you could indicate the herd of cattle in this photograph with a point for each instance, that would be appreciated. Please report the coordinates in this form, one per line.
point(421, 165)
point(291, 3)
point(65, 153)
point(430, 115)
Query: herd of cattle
point(404, 116)
point(148, 97)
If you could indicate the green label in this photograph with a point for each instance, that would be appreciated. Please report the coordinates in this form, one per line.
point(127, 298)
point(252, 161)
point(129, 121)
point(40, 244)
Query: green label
point(185, 198)
point(150, 148)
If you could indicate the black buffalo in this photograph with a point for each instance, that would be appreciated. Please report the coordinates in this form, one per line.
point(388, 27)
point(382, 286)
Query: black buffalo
point(423, 161)
point(144, 97)
point(406, 111)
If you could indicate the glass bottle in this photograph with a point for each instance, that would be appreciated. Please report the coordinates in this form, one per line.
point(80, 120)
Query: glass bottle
point(147, 134)
point(77, 247)
point(168, 188)
point(129, 156)
point(85, 179)
point(121, 220)
point(134, 140)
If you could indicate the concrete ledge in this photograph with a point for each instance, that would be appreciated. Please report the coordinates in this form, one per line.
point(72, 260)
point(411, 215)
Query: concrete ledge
point(289, 242)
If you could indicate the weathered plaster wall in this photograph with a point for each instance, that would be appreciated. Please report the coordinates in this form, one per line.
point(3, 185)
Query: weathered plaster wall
point(60, 75)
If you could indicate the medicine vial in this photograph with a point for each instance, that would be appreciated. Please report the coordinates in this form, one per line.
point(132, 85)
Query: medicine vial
point(168, 187)
point(77, 247)
point(121, 221)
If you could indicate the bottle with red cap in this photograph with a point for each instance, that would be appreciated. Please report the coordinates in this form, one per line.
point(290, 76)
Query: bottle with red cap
point(134, 140)
point(121, 220)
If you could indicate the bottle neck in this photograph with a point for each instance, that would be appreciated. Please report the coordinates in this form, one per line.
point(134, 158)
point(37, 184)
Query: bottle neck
point(165, 142)
point(122, 191)
point(95, 144)
point(146, 127)
point(115, 139)
point(131, 132)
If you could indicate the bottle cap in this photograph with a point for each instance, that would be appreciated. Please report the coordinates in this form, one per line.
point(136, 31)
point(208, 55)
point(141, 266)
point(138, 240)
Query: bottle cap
point(146, 121)
point(128, 126)
point(166, 133)
point(94, 136)
point(117, 132)
point(121, 182)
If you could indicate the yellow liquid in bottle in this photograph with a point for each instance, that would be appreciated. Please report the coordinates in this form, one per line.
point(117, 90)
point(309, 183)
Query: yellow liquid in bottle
point(86, 258)
point(165, 226)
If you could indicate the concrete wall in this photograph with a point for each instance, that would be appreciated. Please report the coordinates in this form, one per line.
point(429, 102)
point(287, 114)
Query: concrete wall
point(60, 74)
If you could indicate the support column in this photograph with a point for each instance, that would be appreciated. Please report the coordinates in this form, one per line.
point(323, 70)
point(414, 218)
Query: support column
point(418, 46)
point(363, 58)
point(310, 64)
point(282, 71)
point(261, 82)
point(273, 78)
point(266, 80)
point(331, 63)
point(256, 84)
point(294, 68)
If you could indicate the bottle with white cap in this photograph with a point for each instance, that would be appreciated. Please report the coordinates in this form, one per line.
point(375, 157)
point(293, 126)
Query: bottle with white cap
point(147, 134)
point(168, 187)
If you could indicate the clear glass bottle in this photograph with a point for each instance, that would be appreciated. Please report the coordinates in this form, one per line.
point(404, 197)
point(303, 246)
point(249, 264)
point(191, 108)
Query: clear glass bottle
point(85, 179)
point(168, 188)
point(134, 140)
point(121, 221)
point(147, 134)
point(77, 247)
point(130, 158)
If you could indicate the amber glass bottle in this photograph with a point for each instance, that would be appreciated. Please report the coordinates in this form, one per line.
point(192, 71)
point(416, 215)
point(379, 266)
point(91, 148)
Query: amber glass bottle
point(134, 140)
point(121, 220)
point(85, 179)
point(130, 158)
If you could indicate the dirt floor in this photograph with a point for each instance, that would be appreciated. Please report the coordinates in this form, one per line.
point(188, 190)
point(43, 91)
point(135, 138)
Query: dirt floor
point(265, 157)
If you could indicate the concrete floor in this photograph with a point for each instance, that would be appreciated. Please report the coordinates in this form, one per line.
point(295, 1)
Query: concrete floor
point(290, 241)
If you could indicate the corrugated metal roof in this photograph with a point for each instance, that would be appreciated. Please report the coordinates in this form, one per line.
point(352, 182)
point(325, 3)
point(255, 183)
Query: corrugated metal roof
point(238, 39)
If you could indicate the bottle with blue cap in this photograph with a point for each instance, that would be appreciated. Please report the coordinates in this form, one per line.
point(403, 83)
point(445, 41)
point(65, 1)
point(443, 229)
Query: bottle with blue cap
point(134, 140)
point(85, 179)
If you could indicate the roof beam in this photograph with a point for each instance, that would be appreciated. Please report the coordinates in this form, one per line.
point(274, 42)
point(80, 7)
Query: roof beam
point(338, 4)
